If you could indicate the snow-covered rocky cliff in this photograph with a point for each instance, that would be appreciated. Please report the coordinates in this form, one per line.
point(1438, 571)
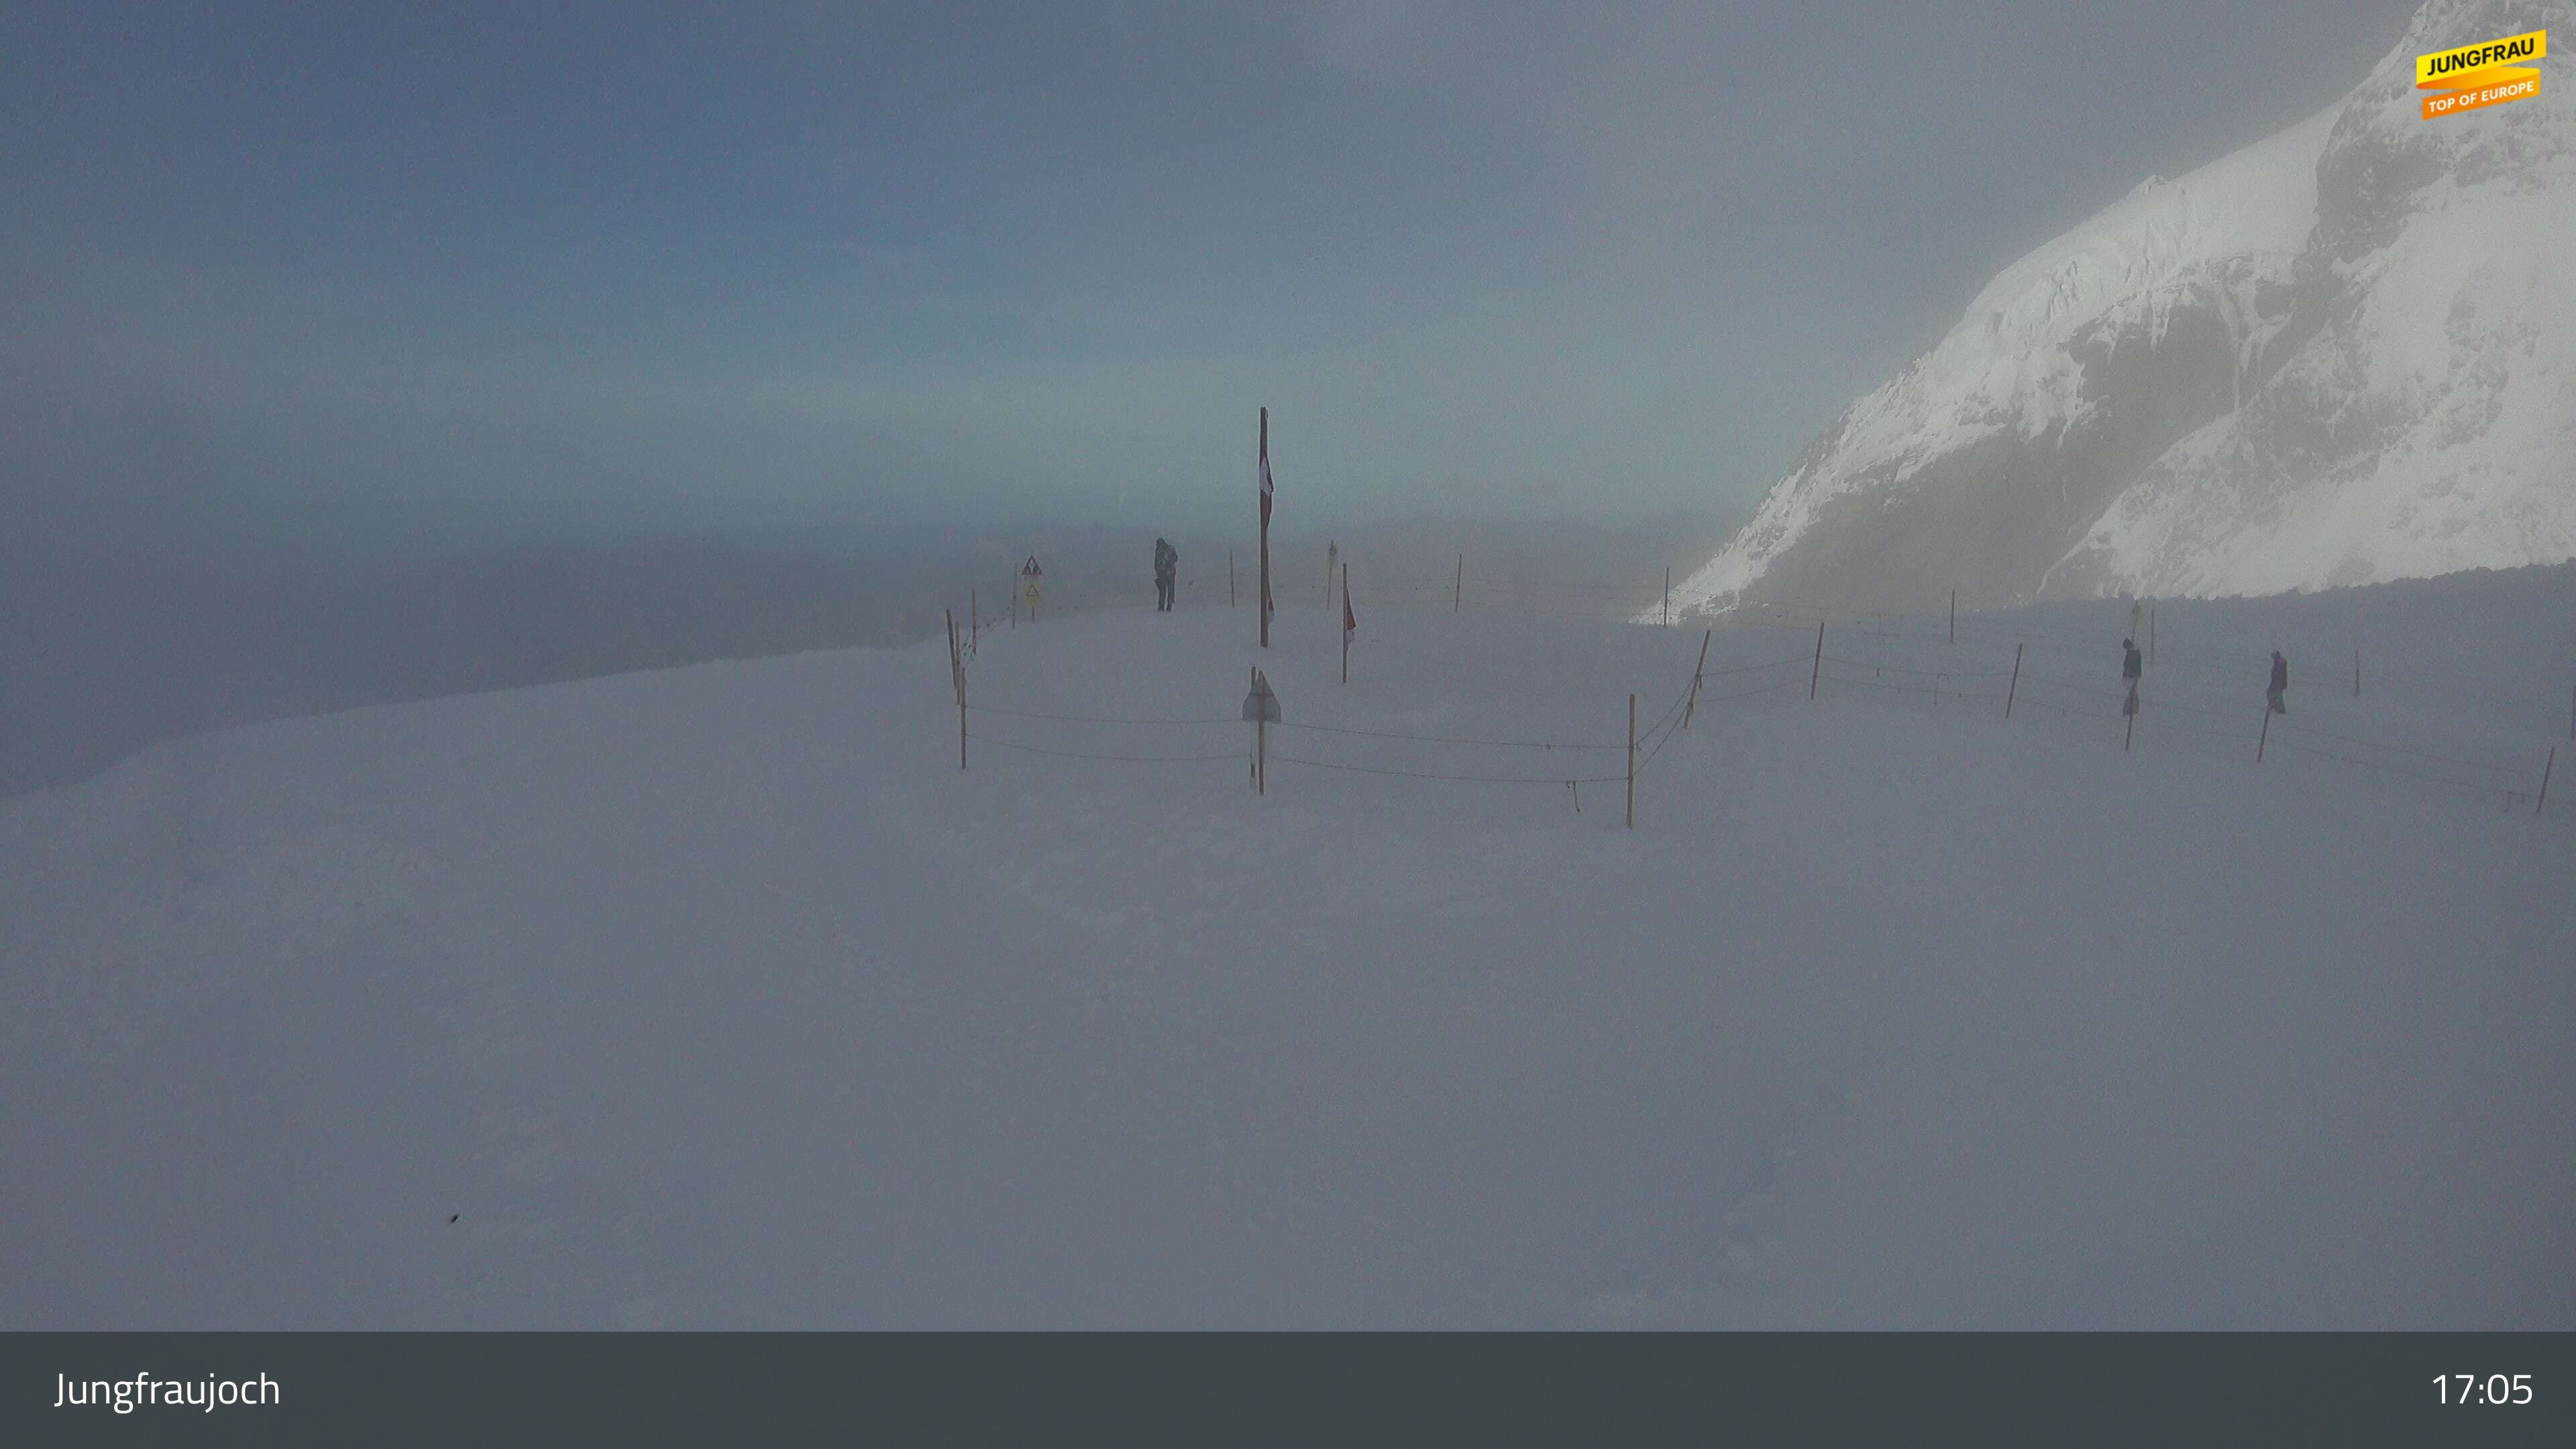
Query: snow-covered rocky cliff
point(2339, 355)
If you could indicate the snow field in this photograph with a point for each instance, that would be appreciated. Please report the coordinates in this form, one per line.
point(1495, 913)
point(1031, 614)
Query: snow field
point(720, 997)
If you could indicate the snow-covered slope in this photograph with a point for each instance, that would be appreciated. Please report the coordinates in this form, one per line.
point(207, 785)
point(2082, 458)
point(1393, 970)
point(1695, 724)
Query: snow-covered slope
point(2338, 355)
point(720, 997)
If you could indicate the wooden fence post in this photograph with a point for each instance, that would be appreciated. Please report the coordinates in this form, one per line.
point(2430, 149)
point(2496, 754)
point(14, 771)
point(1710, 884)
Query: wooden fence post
point(1697, 670)
point(1632, 762)
point(957, 681)
point(1818, 671)
point(2015, 687)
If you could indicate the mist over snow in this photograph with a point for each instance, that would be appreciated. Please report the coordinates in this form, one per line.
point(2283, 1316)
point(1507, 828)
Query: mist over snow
point(718, 996)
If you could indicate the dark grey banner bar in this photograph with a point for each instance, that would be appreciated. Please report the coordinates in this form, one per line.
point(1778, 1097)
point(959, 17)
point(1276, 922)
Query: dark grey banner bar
point(1325, 1388)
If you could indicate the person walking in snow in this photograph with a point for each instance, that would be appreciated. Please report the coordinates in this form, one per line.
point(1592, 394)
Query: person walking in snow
point(1167, 565)
point(2280, 682)
point(2133, 666)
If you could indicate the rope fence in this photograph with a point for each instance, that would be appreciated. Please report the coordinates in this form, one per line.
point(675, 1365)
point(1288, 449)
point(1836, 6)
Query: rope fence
point(1962, 677)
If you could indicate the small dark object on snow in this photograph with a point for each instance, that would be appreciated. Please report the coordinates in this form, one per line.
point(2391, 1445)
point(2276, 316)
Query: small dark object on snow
point(451, 1217)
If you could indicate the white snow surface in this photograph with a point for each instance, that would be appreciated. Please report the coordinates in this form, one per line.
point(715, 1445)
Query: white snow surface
point(720, 997)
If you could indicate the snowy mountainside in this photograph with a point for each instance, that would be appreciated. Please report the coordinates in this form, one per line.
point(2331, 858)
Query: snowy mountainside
point(2337, 355)
point(720, 997)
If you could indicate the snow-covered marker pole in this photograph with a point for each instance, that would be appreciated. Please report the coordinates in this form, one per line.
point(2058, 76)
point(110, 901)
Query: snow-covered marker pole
point(2265, 737)
point(957, 681)
point(2015, 687)
point(1668, 599)
point(1265, 528)
point(1954, 616)
point(2356, 674)
point(1458, 586)
point(974, 624)
point(1349, 623)
point(1697, 671)
point(1818, 672)
point(2544, 780)
point(1229, 578)
point(1632, 762)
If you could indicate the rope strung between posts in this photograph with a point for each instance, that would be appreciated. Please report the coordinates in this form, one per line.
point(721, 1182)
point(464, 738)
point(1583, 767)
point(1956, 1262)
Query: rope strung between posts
point(1443, 739)
point(1082, 755)
point(1092, 718)
point(1473, 779)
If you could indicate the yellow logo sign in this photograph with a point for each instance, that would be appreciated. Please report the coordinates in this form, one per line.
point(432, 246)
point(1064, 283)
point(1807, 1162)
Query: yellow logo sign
point(2486, 74)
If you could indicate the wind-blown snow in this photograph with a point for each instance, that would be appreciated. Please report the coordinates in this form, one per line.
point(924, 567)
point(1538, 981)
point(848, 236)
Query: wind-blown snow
point(2006, 365)
point(720, 997)
point(2396, 396)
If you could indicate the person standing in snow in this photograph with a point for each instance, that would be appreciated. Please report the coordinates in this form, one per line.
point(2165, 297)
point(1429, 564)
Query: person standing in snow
point(1167, 565)
point(2280, 682)
point(2133, 666)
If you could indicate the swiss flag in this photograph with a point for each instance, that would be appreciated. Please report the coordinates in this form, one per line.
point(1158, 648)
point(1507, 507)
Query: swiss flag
point(1265, 474)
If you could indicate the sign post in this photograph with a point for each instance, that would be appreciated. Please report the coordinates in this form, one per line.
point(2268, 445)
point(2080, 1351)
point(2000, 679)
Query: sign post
point(1265, 528)
point(1349, 623)
point(1031, 576)
point(1261, 706)
point(957, 681)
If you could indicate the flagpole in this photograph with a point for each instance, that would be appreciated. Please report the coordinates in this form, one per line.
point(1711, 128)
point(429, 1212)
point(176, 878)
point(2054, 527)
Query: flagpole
point(1265, 528)
point(1346, 623)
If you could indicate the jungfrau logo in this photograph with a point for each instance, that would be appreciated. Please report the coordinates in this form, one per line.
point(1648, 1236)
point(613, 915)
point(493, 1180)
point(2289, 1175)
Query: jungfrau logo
point(2486, 74)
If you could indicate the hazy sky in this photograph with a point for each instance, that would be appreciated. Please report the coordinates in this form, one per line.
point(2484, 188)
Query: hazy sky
point(344, 266)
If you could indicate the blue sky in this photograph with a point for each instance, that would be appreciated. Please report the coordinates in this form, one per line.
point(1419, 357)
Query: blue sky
point(565, 266)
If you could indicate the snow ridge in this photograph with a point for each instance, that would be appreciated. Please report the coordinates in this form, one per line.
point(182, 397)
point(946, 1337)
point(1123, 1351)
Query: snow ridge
point(2332, 356)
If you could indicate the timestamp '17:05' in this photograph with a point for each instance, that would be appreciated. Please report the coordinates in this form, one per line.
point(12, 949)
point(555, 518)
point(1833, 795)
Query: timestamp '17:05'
point(2491, 1389)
